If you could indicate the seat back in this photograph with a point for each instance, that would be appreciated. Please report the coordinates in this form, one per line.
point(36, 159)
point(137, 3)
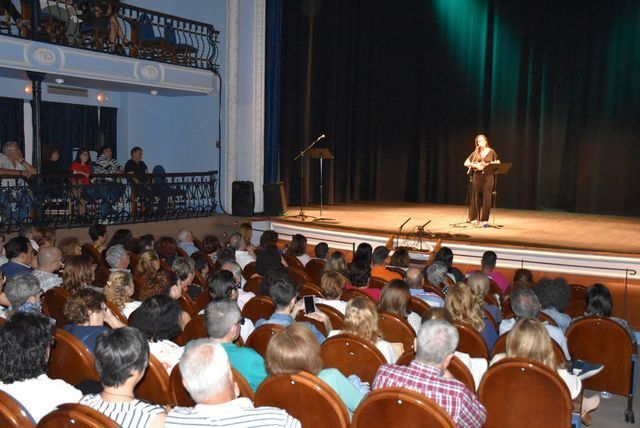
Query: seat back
point(70, 360)
point(253, 285)
point(202, 301)
point(603, 341)
point(406, 358)
point(400, 271)
point(293, 261)
point(298, 275)
point(471, 341)
point(179, 250)
point(575, 309)
point(77, 416)
point(578, 292)
point(419, 306)
point(461, 372)
point(315, 268)
point(310, 289)
point(351, 293)
point(205, 256)
point(390, 407)
point(335, 316)
point(154, 386)
point(13, 414)
point(195, 329)
point(259, 339)
point(117, 312)
point(96, 257)
point(542, 317)
point(179, 394)
point(395, 329)
point(145, 28)
point(258, 307)
point(352, 355)
point(306, 398)
point(507, 390)
point(186, 304)
point(53, 302)
point(435, 290)
point(375, 282)
point(501, 346)
point(249, 270)
point(243, 385)
point(169, 33)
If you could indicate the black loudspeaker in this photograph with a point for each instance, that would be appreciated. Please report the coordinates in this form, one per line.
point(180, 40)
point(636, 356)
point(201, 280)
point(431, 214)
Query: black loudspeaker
point(243, 198)
point(275, 199)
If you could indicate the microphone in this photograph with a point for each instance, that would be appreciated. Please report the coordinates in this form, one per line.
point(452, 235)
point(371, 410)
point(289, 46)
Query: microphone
point(319, 138)
point(406, 221)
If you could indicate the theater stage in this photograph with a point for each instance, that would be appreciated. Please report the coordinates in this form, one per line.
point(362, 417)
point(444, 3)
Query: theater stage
point(520, 228)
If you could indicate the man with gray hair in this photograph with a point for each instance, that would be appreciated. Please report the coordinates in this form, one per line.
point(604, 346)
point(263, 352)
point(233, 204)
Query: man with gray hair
point(224, 321)
point(525, 304)
point(117, 258)
point(236, 270)
point(427, 374)
point(436, 275)
point(23, 292)
point(207, 376)
point(15, 200)
point(415, 280)
point(239, 245)
point(185, 241)
point(49, 263)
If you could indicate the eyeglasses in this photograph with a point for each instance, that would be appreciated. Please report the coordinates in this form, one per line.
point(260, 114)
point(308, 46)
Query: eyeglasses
point(240, 321)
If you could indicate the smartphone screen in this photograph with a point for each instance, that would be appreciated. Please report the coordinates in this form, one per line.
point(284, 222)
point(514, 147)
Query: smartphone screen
point(309, 305)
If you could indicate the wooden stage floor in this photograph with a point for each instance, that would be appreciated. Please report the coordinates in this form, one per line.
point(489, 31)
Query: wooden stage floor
point(521, 228)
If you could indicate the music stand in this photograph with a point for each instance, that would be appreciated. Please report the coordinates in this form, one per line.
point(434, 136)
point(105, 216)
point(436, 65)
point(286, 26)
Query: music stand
point(321, 153)
point(496, 169)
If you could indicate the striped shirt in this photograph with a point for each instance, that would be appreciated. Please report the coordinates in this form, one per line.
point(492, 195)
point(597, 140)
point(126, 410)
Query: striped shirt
point(236, 413)
point(134, 414)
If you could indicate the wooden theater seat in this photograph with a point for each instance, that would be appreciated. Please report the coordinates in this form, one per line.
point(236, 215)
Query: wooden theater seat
point(70, 360)
point(315, 269)
point(335, 316)
point(354, 292)
point(53, 302)
point(298, 275)
point(471, 341)
point(399, 407)
point(456, 367)
point(154, 386)
point(77, 416)
point(195, 329)
point(253, 285)
point(352, 355)
point(419, 306)
point(179, 395)
point(117, 312)
point(521, 392)
point(259, 339)
point(202, 301)
point(395, 329)
point(432, 289)
point(13, 414)
point(375, 282)
point(293, 262)
point(243, 385)
point(249, 270)
point(305, 397)
point(258, 307)
point(310, 289)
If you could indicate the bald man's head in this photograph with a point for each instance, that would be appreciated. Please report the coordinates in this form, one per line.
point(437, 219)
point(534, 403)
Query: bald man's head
point(49, 259)
point(414, 278)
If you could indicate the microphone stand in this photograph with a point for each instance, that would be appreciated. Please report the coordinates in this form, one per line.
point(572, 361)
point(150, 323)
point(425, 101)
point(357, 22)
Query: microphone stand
point(301, 215)
point(400, 231)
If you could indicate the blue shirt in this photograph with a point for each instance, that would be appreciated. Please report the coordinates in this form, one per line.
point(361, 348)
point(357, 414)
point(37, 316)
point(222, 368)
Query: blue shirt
point(12, 269)
point(88, 334)
point(286, 320)
point(248, 362)
point(432, 299)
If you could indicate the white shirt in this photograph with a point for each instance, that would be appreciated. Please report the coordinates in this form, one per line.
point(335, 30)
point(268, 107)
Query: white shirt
point(336, 304)
point(42, 394)
point(304, 259)
point(244, 297)
point(167, 352)
point(5, 163)
point(383, 346)
point(555, 332)
point(243, 258)
point(134, 414)
point(477, 366)
point(129, 307)
point(246, 329)
point(3, 260)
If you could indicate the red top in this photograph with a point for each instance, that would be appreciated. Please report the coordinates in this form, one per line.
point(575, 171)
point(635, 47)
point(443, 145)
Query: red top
point(373, 292)
point(80, 179)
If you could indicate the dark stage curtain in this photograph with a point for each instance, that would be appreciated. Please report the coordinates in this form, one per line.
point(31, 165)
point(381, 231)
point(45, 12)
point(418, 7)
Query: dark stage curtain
point(272, 90)
point(12, 121)
point(402, 87)
point(66, 126)
point(109, 129)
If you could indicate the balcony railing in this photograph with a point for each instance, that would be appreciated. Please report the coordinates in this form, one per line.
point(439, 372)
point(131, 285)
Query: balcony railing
point(112, 27)
point(57, 201)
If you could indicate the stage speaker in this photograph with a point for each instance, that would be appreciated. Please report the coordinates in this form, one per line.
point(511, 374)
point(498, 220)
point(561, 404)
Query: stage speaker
point(275, 199)
point(243, 198)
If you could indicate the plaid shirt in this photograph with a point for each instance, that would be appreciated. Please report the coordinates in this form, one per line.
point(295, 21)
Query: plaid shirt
point(47, 280)
point(463, 407)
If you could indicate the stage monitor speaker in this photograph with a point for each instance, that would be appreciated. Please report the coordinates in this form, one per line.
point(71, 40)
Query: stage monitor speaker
point(243, 198)
point(275, 199)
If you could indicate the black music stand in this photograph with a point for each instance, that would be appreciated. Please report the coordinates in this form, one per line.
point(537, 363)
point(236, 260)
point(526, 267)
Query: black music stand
point(322, 154)
point(496, 169)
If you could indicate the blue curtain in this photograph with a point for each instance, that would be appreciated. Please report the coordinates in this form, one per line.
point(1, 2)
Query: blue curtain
point(109, 128)
point(66, 126)
point(12, 121)
point(272, 90)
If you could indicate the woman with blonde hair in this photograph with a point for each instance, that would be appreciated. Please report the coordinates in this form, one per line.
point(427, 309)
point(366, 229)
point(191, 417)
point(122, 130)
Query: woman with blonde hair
point(478, 283)
point(79, 272)
point(148, 265)
point(336, 263)
point(395, 298)
point(361, 319)
point(119, 290)
point(466, 307)
point(530, 339)
point(296, 349)
point(332, 284)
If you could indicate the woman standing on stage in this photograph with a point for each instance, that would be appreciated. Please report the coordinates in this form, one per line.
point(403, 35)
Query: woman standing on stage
point(481, 183)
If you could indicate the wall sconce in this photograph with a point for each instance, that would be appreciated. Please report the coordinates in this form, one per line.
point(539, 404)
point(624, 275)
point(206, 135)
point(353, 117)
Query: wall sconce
point(102, 97)
point(28, 89)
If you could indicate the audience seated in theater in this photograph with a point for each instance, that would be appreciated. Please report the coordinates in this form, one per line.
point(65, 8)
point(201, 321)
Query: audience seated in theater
point(321, 251)
point(105, 162)
point(145, 242)
point(428, 374)
point(466, 307)
point(49, 263)
point(25, 342)
point(30, 232)
point(395, 298)
point(400, 258)
point(268, 237)
point(158, 319)
point(267, 259)
point(166, 249)
point(224, 324)
point(119, 289)
point(294, 349)
point(598, 302)
point(272, 276)
point(223, 286)
point(298, 249)
point(523, 278)
point(148, 265)
point(122, 357)
point(13, 163)
point(436, 275)
point(3, 253)
point(554, 296)
point(47, 236)
point(185, 268)
point(361, 319)
point(20, 255)
point(530, 339)
point(525, 304)
point(362, 256)
point(226, 255)
point(246, 230)
point(243, 256)
point(477, 366)
point(185, 241)
point(98, 235)
point(445, 255)
point(70, 246)
point(79, 272)
point(201, 264)
point(243, 296)
point(415, 281)
point(359, 279)
point(81, 183)
point(478, 283)
point(211, 245)
point(284, 294)
point(22, 293)
point(488, 264)
point(51, 165)
point(123, 237)
point(206, 374)
point(337, 263)
point(379, 259)
point(117, 258)
point(332, 284)
point(87, 313)
point(166, 284)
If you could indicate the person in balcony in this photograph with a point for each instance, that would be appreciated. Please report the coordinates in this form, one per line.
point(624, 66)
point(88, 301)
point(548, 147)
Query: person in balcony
point(81, 170)
point(138, 172)
point(63, 11)
point(15, 198)
point(100, 18)
point(108, 187)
